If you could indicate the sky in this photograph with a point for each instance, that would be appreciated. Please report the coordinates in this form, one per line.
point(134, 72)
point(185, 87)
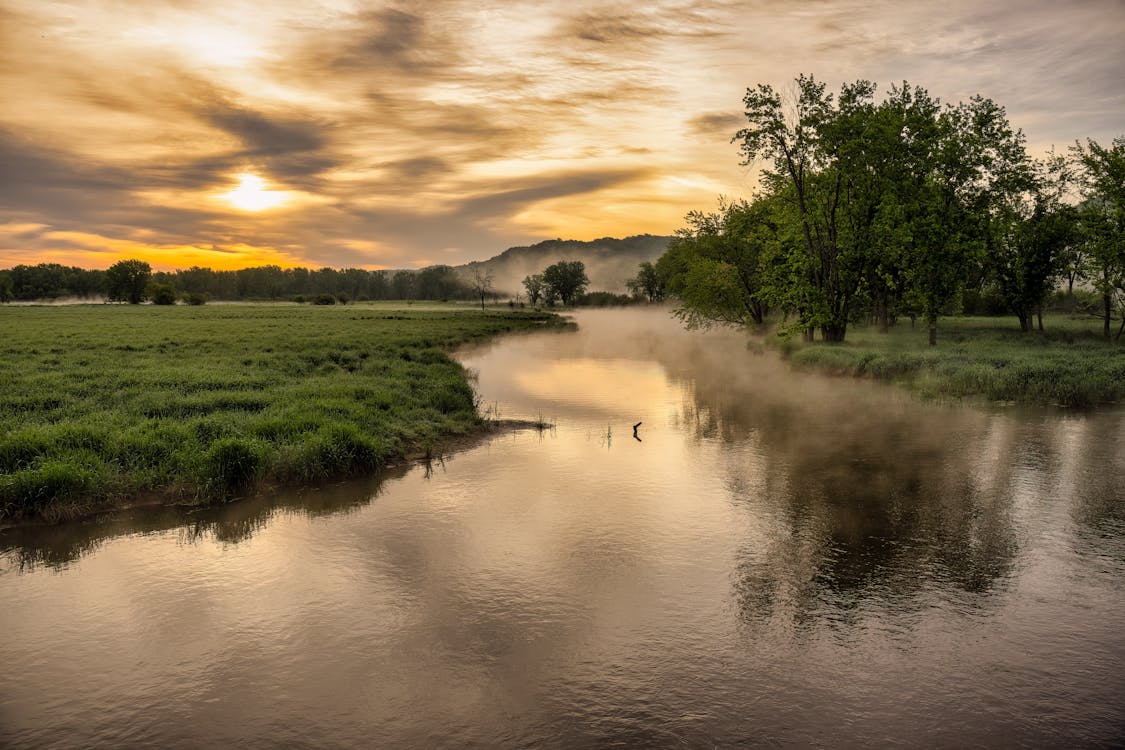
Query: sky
point(398, 135)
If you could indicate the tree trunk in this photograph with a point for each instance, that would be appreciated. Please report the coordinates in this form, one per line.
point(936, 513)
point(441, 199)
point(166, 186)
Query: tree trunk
point(1108, 303)
point(884, 318)
point(833, 333)
point(1025, 321)
point(1039, 315)
point(809, 334)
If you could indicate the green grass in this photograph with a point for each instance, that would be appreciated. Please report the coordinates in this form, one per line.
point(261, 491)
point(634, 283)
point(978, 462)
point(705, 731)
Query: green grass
point(1068, 364)
point(100, 404)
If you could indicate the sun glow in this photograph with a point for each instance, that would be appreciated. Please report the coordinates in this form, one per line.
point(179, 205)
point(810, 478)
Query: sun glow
point(253, 195)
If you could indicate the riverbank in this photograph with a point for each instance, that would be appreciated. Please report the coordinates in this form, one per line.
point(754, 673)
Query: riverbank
point(113, 405)
point(1067, 364)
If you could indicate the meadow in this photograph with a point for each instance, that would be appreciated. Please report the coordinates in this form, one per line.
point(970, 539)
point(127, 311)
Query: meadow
point(1067, 364)
point(103, 405)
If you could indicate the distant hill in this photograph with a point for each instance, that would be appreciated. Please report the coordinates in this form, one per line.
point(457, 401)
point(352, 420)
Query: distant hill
point(609, 261)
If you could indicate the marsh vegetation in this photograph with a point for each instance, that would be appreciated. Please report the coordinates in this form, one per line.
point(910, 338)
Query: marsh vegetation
point(104, 404)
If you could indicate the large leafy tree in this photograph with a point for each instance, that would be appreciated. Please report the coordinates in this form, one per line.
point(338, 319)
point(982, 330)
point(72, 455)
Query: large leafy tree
point(1102, 221)
point(534, 286)
point(822, 162)
point(715, 265)
point(126, 280)
point(648, 282)
point(565, 280)
point(1027, 256)
point(971, 166)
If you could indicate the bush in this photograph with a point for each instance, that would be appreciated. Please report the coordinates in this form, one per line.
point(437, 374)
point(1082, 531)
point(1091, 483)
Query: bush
point(195, 298)
point(324, 299)
point(342, 298)
point(162, 294)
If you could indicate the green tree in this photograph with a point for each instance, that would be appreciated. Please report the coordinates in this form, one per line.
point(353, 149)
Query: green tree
point(439, 282)
point(1027, 257)
point(715, 265)
point(566, 280)
point(1102, 222)
point(126, 281)
point(974, 165)
point(820, 163)
point(534, 286)
point(647, 283)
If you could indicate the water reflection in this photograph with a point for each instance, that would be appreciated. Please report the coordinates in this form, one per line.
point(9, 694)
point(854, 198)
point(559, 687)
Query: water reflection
point(782, 559)
point(57, 546)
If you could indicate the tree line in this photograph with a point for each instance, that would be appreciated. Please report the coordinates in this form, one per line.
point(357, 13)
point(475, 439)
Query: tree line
point(135, 281)
point(876, 209)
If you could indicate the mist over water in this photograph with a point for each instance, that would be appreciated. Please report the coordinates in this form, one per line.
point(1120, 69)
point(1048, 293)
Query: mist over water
point(780, 558)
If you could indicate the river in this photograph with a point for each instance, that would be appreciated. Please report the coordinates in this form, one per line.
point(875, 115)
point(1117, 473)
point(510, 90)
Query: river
point(775, 558)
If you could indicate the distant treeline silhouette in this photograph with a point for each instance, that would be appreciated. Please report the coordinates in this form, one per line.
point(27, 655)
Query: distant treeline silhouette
point(47, 281)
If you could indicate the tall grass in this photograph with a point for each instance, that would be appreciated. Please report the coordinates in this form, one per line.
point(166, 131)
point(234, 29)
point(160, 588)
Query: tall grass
point(1068, 364)
point(101, 403)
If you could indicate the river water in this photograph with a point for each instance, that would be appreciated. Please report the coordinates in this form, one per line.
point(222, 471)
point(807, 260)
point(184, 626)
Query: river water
point(775, 559)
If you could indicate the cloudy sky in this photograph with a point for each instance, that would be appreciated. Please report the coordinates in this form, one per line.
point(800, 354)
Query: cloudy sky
point(229, 134)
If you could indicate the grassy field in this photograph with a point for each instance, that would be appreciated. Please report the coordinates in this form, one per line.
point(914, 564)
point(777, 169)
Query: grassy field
point(1069, 364)
point(105, 404)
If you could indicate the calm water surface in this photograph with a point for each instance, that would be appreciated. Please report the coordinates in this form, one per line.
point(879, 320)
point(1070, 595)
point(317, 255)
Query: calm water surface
point(780, 559)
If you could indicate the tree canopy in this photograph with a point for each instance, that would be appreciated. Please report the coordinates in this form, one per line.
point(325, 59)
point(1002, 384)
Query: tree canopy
point(565, 280)
point(871, 208)
point(127, 280)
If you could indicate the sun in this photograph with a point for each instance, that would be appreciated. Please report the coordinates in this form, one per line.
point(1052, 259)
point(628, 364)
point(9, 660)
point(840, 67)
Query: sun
point(253, 195)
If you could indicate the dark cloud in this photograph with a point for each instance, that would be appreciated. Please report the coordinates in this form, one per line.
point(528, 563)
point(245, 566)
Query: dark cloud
point(504, 200)
point(265, 136)
point(647, 24)
point(713, 124)
point(69, 192)
point(291, 149)
point(377, 42)
point(31, 174)
point(420, 167)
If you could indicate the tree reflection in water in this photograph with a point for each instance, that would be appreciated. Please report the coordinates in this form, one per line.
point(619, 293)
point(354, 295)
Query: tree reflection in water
point(57, 546)
point(885, 500)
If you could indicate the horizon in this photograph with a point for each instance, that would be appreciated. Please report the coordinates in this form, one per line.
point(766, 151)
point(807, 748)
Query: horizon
point(382, 136)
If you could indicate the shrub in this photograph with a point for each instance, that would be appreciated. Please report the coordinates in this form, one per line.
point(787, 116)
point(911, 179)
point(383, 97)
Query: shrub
point(324, 299)
point(162, 294)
